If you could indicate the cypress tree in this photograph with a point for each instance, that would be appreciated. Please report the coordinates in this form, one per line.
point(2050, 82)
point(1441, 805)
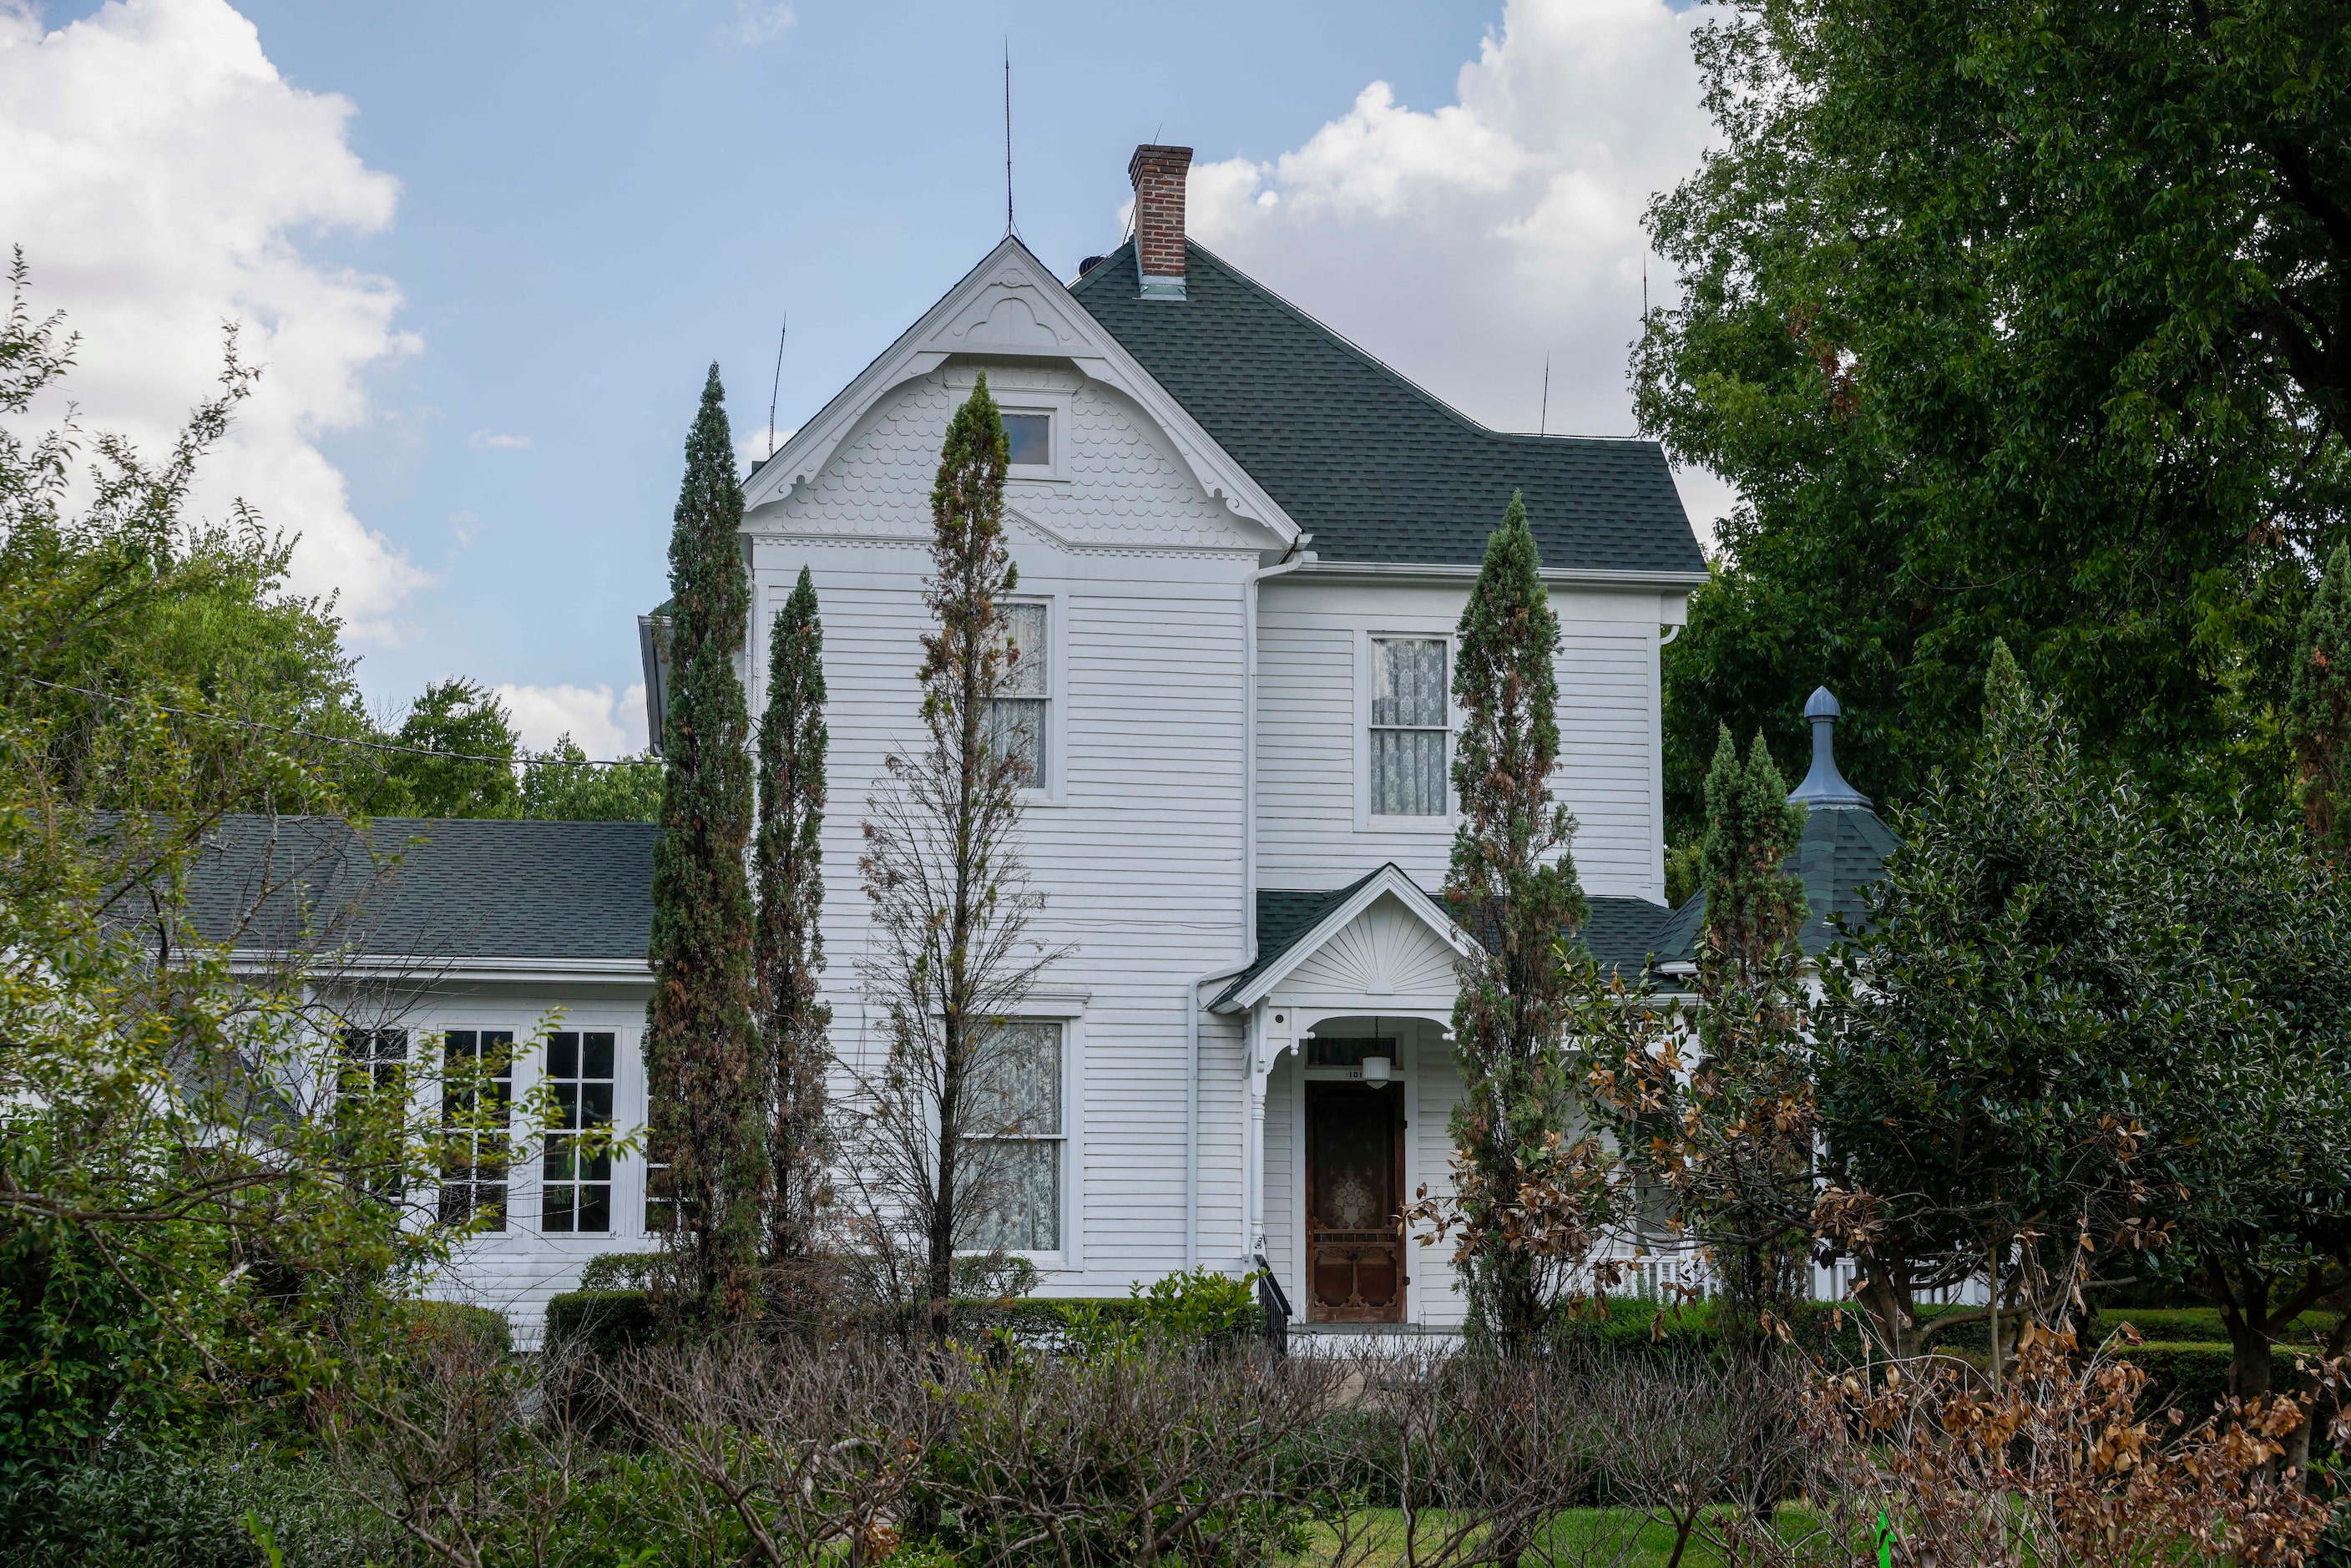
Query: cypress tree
point(2318, 710)
point(1752, 907)
point(1512, 883)
point(788, 857)
point(703, 1072)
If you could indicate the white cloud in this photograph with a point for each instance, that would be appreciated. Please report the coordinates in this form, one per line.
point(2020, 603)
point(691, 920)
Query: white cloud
point(492, 441)
point(601, 724)
point(757, 22)
point(161, 176)
point(1465, 243)
point(751, 447)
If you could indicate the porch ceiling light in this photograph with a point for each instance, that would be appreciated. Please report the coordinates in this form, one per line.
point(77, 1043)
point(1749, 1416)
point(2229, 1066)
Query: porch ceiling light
point(1375, 1070)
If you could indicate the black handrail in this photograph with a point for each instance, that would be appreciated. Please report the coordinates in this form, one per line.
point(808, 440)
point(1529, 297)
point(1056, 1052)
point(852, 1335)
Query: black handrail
point(1275, 1305)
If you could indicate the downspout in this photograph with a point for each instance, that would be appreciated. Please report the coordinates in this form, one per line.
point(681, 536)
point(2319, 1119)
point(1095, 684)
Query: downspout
point(1288, 562)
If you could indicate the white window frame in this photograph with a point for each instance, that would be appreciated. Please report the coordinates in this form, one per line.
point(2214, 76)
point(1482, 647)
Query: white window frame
point(1366, 820)
point(518, 1044)
point(616, 1219)
point(1048, 790)
point(1070, 1013)
point(1055, 406)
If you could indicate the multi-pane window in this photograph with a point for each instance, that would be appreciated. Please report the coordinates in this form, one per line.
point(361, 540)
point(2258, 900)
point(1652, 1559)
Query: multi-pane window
point(1017, 719)
point(576, 1167)
point(373, 1106)
point(1014, 1160)
point(476, 1102)
point(1408, 727)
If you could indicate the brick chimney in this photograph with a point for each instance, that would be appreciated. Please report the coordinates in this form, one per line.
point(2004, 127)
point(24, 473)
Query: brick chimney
point(1158, 175)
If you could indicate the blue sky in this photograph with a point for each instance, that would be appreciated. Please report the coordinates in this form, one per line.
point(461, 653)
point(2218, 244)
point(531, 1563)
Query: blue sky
point(496, 271)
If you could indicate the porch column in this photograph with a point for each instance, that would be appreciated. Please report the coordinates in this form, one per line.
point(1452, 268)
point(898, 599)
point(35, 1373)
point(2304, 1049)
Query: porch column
point(1272, 1029)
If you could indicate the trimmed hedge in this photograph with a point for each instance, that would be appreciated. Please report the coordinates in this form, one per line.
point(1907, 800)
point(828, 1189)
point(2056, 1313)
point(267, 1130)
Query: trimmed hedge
point(612, 1320)
point(486, 1329)
point(605, 1322)
point(1641, 1327)
point(2195, 1375)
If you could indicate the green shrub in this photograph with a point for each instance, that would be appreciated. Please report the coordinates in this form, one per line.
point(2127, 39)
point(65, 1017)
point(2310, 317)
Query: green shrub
point(139, 1508)
point(1202, 1304)
point(620, 1271)
point(2202, 1326)
point(2195, 1375)
point(605, 1322)
point(485, 1328)
point(1638, 1325)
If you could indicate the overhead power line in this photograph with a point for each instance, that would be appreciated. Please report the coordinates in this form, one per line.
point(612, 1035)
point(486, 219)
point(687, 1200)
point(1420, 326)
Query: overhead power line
point(530, 758)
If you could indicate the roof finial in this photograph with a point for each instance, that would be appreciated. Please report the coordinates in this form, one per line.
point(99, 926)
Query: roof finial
point(1824, 787)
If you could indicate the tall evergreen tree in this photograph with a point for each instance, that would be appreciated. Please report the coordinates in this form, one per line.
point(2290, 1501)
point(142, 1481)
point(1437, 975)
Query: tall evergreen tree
point(789, 859)
point(704, 1070)
point(2318, 710)
point(1753, 905)
point(1512, 883)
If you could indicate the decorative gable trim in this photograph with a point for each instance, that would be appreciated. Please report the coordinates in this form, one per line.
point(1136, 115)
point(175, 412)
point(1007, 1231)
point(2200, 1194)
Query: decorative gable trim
point(1011, 307)
point(1389, 881)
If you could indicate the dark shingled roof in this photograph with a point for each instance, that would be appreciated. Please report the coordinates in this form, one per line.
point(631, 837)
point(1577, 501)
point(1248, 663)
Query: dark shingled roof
point(1373, 466)
point(1844, 849)
point(436, 890)
point(1621, 936)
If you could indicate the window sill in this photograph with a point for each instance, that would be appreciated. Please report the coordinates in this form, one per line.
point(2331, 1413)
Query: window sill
point(1415, 824)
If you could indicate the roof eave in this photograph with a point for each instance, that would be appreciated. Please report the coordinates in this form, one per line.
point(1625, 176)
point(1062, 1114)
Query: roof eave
point(1564, 577)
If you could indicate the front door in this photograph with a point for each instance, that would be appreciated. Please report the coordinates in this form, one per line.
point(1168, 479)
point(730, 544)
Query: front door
point(1354, 1221)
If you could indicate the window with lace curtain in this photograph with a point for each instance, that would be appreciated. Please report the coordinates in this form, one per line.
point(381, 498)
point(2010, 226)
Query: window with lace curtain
point(1409, 726)
point(1018, 719)
point(1013, 1162)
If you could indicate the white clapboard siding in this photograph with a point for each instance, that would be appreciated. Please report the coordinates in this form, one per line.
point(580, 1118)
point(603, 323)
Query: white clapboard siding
point(1138, 842)
point(1312, 642)
point(1435, 1300)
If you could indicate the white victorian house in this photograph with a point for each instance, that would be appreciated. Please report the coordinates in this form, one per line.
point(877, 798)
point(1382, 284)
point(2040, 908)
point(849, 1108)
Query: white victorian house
point(1243, 545)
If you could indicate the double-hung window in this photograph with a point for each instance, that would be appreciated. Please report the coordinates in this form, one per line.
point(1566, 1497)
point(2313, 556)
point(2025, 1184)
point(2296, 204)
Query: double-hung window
point(1017, 719)
point(576, 1164)
point(476, 1103)
point(1408, 727)
point(1014, 1158)
point(372, 1106)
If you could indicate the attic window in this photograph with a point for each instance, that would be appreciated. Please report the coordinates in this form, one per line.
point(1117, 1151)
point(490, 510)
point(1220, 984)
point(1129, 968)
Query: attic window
point(1029, 437)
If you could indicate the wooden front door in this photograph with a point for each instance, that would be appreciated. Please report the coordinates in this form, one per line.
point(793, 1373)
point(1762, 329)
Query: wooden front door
point(1354, 1220)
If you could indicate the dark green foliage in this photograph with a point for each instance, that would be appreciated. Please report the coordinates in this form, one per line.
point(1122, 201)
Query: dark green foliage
point(704, 1064)
point(2006, 320)
point(555, 788)
point(789, 944)
point(2076, 1015)
point(465, 719)
point(483, 1328)
point(1512, 885)
point(1753, 905)
point(174, 1508)
point(2318, 710)
point(137, 644)
point(606, 1322)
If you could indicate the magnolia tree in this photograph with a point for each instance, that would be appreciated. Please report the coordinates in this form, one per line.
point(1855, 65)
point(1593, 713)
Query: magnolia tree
point(953, 950)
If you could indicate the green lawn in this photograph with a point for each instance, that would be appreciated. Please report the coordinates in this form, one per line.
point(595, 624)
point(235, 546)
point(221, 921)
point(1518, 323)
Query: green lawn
point(1585, 1537)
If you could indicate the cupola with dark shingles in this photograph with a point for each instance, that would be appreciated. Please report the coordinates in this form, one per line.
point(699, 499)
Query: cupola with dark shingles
point(1158, 174)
